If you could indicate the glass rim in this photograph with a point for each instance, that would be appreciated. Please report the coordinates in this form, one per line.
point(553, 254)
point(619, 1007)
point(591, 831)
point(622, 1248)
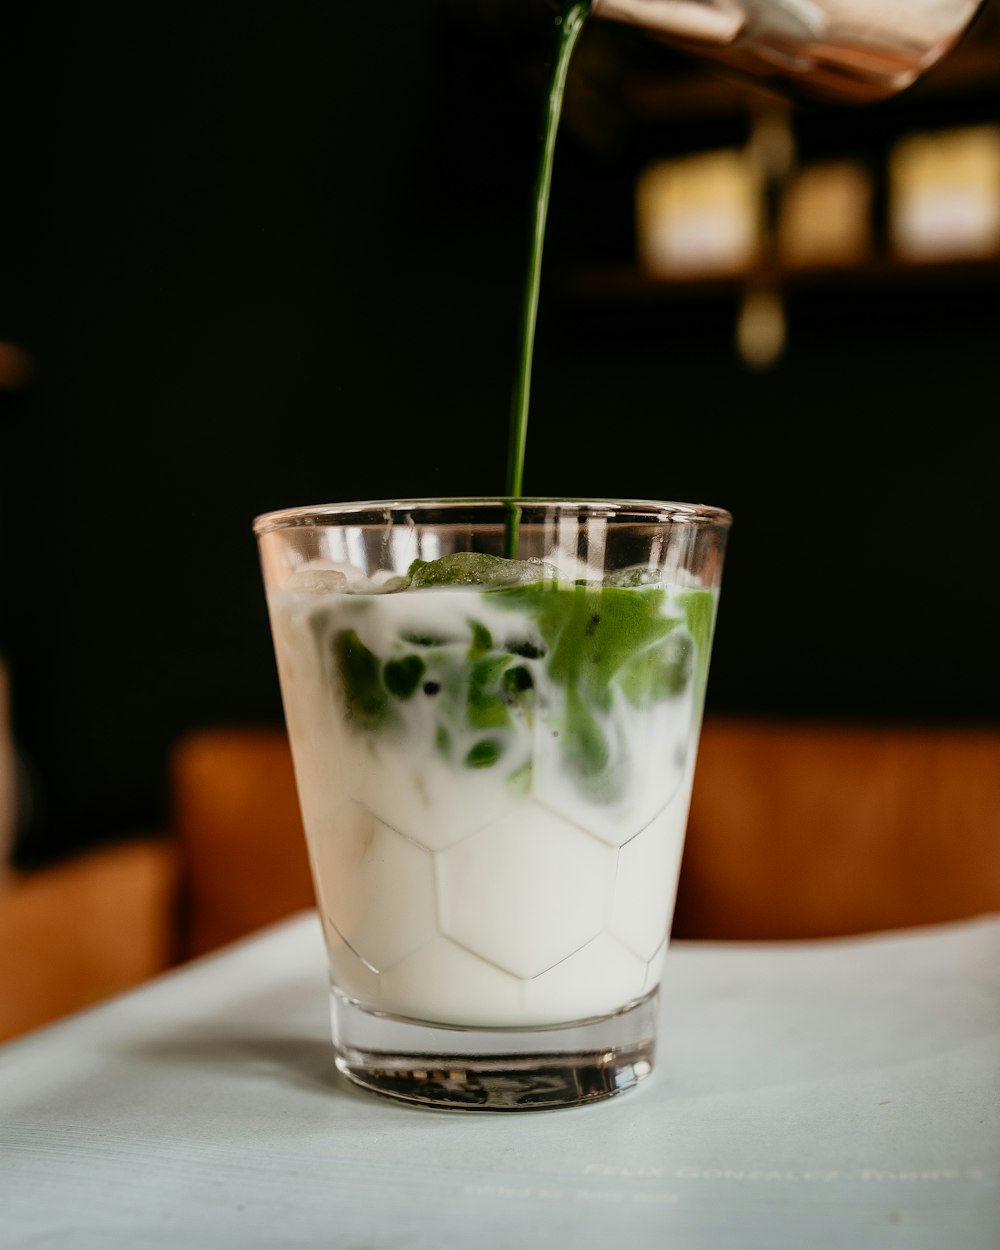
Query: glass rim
point(637, 510)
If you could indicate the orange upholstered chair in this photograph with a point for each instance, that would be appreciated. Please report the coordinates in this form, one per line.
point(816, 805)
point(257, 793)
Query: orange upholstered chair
point(814, 830)
point(76, 932)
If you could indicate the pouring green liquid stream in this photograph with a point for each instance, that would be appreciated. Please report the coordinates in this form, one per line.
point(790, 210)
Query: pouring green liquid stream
point(571, 22)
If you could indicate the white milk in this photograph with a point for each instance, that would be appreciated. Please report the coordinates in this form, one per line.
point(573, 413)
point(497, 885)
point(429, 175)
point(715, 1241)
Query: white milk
point(501, 895)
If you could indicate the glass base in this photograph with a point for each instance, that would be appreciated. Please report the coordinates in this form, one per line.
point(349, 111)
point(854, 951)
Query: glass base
point(477, 1069)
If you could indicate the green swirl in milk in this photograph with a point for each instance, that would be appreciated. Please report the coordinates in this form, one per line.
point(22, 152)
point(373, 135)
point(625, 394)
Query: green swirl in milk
point(572, 656)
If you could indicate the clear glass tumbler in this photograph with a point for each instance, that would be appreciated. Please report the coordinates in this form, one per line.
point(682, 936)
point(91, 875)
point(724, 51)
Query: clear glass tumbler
point(493, 708)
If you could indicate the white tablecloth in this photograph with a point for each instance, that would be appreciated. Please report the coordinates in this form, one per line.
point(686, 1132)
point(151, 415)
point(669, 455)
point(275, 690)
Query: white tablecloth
point(837, 1095)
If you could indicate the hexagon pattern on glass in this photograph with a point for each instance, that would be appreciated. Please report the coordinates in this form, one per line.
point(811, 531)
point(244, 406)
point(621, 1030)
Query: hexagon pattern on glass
point(654, 969)
point(466, 932)
point(349, 972)
point(646, 883)
point(377, 886)
point(526, 891)
point(428, 800)
point(423, 986)
point(595, 980)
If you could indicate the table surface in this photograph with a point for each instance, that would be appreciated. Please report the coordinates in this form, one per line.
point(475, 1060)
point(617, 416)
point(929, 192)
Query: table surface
point(811, 1096)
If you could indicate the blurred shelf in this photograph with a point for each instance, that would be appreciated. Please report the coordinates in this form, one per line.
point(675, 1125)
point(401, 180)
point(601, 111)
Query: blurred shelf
point(629, 285)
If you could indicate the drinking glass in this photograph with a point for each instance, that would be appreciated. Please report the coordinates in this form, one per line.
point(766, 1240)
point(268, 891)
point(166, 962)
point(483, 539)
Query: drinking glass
point(493, 708)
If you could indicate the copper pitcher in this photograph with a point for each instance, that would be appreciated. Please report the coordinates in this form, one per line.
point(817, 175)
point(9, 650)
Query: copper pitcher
point(847, 50)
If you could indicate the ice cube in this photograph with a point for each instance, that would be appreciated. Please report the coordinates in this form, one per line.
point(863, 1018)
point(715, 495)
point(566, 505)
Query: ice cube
point(384, 583)
point(317, 581)
point(638, 575)
point(477, 568)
